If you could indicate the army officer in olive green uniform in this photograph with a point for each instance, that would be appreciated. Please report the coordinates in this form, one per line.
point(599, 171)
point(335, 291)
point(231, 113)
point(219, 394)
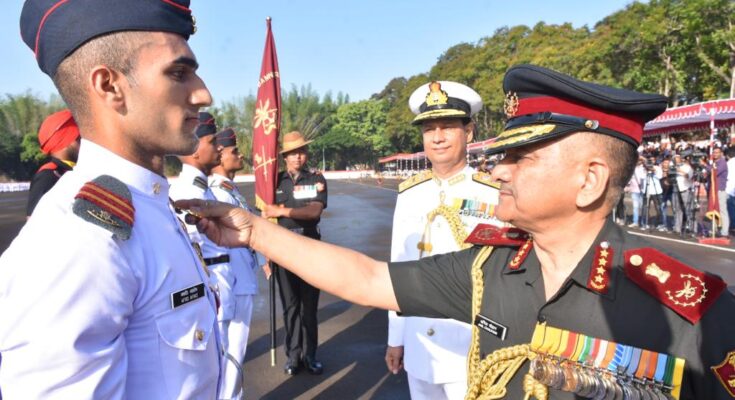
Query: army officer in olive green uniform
point(570, 307)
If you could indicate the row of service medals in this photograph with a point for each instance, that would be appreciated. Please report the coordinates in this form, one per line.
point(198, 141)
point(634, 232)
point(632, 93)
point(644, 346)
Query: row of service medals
point(601, 369)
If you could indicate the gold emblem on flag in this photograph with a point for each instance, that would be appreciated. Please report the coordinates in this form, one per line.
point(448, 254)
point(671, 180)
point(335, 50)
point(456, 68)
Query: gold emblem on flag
point(265, 117)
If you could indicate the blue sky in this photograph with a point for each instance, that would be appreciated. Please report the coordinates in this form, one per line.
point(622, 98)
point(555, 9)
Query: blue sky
point(351, 46)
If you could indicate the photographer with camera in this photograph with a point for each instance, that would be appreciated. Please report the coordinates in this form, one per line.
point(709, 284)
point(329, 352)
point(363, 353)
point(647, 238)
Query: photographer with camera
point(718, 171)
point(668, 179)
point(684, 173)
point(651, 191)
point(634, 187)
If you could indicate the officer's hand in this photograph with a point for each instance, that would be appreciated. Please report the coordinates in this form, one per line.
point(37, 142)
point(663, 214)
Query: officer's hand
point(223, 223)
point(394, 359)
point(267, 270)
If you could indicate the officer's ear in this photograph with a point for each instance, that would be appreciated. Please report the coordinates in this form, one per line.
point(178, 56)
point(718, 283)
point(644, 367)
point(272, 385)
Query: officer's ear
point(108, 87)
point(469, 129)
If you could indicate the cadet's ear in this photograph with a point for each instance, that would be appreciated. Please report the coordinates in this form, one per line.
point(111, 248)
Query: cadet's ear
point(596, 174)
point(108, 87)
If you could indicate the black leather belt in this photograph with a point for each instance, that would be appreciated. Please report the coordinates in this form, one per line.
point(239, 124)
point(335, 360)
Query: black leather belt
point(217, 260)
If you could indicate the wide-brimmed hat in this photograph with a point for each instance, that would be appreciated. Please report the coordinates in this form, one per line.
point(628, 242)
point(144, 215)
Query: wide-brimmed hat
point(292, 141)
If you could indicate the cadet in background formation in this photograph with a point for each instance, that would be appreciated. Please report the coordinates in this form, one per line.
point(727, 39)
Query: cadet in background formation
point(116, 306)
point(301, 196)
point(192, 183)
point(244, 264)
point(435, 211)
point(59, 139)
point(575, 306)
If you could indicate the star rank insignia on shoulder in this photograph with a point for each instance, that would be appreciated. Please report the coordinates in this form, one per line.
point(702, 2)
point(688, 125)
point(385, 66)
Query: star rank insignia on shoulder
point(419, 178)
point(599, 279)
point(685, 290)
point(107, 203)
point(491, 235)
point(485, 179)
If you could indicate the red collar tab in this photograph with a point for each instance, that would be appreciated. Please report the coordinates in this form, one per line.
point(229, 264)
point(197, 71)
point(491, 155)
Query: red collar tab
point(630, 126)
point(599, 280)
point(491, 235)
point(521, 255)
point(685, 290)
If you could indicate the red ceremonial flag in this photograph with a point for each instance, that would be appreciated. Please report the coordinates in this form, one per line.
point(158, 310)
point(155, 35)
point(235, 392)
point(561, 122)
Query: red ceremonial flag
point(713, 203)
point(267, 124)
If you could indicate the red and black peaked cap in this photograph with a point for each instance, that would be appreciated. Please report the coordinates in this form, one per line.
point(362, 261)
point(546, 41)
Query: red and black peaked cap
point(53, 29)
point(542, 104)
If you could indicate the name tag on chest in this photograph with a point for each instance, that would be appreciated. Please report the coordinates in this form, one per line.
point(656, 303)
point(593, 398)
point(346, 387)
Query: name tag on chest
point(187, 295)
point(304, 192)
point(494, 328)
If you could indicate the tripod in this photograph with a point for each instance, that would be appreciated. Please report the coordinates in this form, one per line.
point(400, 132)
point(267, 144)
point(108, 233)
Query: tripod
point(691, 208)
point(679, 206)
point(650, 197)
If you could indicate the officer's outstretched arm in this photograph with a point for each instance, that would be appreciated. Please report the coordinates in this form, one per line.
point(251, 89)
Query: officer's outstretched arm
point(343, 272)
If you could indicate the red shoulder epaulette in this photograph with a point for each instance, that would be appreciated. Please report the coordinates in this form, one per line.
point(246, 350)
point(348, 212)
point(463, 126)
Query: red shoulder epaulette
point(48, 166)
point(685, 290)
point(491, 235)
point(106, 202)
point(227, 185)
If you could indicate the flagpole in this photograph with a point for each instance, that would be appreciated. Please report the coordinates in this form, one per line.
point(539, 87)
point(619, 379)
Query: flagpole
point(266, 128)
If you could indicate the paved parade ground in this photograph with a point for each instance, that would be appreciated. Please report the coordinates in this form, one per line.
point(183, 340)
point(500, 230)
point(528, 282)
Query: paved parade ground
point(352, 338)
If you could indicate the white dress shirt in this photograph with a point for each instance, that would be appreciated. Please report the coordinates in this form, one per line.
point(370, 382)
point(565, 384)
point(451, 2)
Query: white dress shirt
point(435, 350)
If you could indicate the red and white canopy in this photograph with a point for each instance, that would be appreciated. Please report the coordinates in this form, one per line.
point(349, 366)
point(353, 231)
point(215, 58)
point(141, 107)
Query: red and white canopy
point(692, 117)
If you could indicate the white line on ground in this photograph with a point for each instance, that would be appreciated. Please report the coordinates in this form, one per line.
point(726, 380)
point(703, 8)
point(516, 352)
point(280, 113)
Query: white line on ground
point(363, 184)
point(683, 242)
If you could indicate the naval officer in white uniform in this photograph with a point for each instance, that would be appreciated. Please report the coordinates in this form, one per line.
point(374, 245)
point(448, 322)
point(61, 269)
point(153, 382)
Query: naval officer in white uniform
point(435, 211)
point(101, 293)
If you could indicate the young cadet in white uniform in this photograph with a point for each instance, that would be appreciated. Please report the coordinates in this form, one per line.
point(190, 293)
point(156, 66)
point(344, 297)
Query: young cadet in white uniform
point(192, 183)
point(244, 263)
point(435, 211)
point(101, 294)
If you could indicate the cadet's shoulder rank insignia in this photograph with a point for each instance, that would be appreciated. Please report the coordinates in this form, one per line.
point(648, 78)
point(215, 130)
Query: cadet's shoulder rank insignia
point(106, 202)
point(226, 185)
point(200, 182)
point(485, 179)
point(491, 235)
point(685, 290)
point(725, 372)
point(421, 177)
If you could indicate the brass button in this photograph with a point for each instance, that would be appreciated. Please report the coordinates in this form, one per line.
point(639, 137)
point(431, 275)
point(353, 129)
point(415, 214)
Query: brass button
point(199, 334)
point(430, 332)
point(156, 188)
point(636, 260)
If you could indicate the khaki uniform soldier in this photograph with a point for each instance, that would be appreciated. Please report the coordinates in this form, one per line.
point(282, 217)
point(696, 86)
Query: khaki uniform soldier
point(435, 211)
point(575, 307)
point(244, 264)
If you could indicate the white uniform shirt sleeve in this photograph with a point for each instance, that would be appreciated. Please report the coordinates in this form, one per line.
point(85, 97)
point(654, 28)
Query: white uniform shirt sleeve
point(80, 287)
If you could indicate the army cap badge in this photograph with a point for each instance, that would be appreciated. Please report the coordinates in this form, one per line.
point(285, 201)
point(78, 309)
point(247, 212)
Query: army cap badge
point(542, 104)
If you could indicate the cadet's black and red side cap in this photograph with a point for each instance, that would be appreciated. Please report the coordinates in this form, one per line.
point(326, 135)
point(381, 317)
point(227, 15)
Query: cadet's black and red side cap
point(53, 29)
